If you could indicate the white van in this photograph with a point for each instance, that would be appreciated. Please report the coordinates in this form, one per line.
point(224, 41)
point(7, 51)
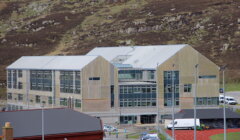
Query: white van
point(183, 124)
point(221, 98)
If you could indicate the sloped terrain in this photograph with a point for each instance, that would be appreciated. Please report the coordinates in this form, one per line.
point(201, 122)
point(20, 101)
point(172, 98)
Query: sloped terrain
point(72, 27)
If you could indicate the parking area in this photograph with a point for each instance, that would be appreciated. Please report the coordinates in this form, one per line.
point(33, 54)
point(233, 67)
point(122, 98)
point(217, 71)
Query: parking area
point(235, 94)
point(201, 135)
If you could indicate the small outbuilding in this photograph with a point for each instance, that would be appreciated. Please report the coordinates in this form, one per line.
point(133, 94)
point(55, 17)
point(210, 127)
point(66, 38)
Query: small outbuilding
point(59, 123)
point(213, 118)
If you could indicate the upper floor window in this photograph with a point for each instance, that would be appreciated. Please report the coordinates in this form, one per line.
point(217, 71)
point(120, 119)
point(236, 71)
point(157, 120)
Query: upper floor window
point(9, 96)
point(20, 97)
point(14, 78)
point(19, 73)
point(130, 74)
point(20, 86)
point(207, 76)
point(41, 80)
point(9, 79)
point(70, 82)
point(151, 75)
point(94, 78)
point(187, 87)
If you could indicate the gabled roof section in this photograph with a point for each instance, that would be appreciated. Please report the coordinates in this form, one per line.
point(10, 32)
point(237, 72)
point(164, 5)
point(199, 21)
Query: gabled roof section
point(138, 56)
point(206, 114)
point(52, 62)
point(27, 123)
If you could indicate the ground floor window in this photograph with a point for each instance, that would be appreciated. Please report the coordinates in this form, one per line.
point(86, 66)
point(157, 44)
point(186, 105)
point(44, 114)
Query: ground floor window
point(14, 107)
point(77, 103)
point(50, 100)
point(38, 99)
point(63, 101)
point(205, 101)
point(128, 119)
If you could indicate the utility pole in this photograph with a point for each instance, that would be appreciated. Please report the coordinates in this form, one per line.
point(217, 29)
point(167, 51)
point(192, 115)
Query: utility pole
point(224, 104)
point(173, 103)
point(195, 101)
point(42, 121)
point(157, 99)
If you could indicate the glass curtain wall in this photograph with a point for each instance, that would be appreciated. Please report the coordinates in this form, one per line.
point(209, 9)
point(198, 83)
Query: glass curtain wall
point(70, 82)
point(137, 95)
point(41, 80)
point(171, 78)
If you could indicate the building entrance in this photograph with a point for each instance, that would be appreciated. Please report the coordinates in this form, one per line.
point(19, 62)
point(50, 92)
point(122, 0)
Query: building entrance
point(148, 119)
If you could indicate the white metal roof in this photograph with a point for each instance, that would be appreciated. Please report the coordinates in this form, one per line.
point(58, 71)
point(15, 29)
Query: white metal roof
point(139, 56)
point(52, 62)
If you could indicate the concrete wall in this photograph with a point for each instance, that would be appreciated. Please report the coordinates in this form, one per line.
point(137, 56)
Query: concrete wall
point(96, 93)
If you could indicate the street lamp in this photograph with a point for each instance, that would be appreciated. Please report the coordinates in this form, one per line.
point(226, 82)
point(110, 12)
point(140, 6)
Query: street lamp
point(173, 103)
point(195, 101)
point(224, 105)
point(157, 100)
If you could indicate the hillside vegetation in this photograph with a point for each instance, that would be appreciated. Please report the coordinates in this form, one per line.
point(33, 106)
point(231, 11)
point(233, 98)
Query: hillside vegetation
point(73, 27)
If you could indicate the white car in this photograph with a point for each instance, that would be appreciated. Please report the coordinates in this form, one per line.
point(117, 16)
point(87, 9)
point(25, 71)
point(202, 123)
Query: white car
point(109, 128)
point(230, 100)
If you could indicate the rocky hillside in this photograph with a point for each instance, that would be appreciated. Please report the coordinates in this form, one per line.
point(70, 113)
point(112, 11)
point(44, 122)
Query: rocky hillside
point(67, 27)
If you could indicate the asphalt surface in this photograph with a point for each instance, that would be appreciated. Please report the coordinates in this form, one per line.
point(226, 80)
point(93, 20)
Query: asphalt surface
point(235, 94)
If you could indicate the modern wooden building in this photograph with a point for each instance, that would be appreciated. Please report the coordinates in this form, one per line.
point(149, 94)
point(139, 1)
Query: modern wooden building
point(118, 84)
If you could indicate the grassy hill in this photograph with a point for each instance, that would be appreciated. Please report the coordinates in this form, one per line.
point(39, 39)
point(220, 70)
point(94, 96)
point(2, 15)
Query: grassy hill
point(72, 27)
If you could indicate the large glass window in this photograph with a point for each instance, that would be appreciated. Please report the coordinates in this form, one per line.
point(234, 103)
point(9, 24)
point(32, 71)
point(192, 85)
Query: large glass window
point(130, 74)
point(67, 82)
point(207, 101)
point(137, 95)
point(9, 82)
point(41, 80)
point(171, 87)
point(14, 78)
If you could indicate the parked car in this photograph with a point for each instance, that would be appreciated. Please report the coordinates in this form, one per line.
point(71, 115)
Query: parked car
point(109, 128)
point(230, 100)
point(150, 137)
point(183, 124)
